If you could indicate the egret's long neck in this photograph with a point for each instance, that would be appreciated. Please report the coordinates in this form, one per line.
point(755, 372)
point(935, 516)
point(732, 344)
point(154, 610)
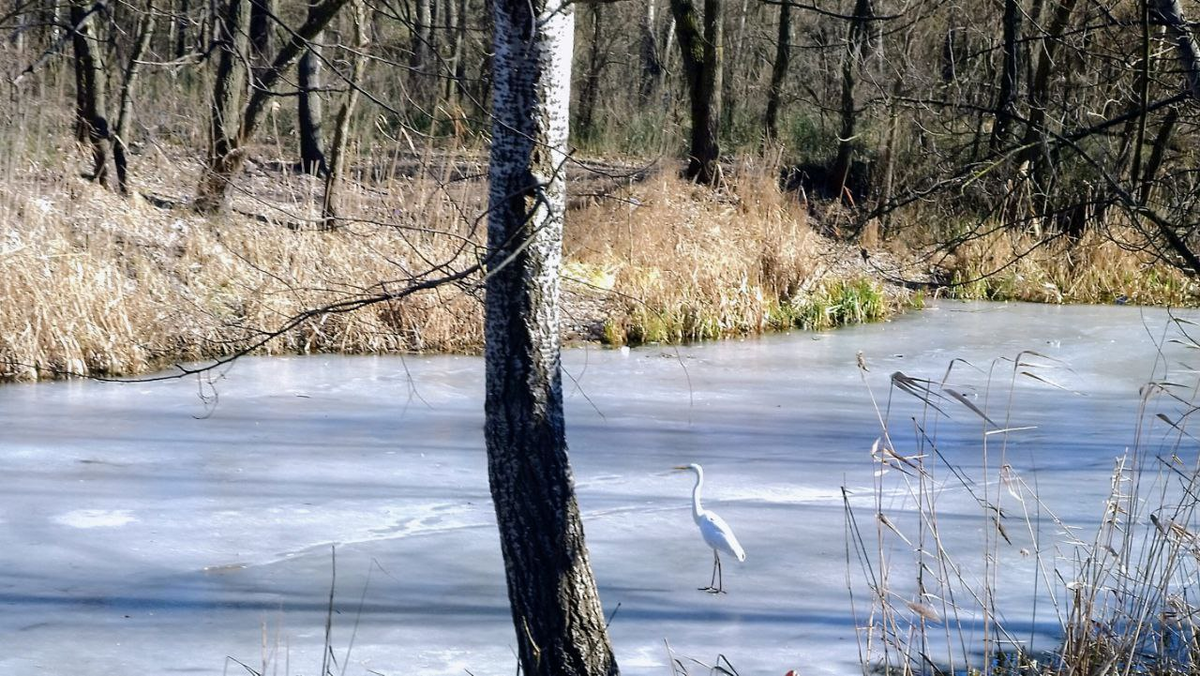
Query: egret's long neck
point(697, 510)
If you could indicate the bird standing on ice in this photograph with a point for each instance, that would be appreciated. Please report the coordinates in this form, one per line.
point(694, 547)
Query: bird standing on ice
point(717, 534)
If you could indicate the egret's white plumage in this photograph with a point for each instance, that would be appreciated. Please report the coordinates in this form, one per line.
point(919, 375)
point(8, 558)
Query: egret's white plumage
point(716, 533)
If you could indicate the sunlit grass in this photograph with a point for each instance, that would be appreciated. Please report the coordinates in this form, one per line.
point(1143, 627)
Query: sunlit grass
point(1099, 267)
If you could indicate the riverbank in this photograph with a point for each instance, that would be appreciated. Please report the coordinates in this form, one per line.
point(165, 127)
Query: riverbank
point(94, 284)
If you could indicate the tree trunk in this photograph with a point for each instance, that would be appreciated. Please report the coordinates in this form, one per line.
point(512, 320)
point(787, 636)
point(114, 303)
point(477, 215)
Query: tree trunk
point(887, 182)
point(421, 59)
point(1006, 103)
point(783, 53)
point(856, 39)
point(591, 82)
point(20, 24)
point(312, 158)
point(91, 82)
point(560, 628)
point(482, 89)
point(144, 31)
point(652, 66)
point(456, 17)
point(729, 99)
point(262, 32)
point(262, 26)
point(668, 42)
point(56, 19)
point(224, 151)
point(209, 28)
point(702, 57)
point(230, 132)
point(341, 129)
point(1034, 156)
point(954, 53)
point(1039, 89)
point(1170, 12)
point(181, 30)
point(1156, 157)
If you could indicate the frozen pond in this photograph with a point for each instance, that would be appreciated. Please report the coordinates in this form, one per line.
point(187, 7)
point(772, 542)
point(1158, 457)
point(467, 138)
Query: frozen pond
point(158, 528)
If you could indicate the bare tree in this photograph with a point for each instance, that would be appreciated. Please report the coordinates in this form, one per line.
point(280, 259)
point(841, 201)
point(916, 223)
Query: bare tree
point(652, 65)
point(232, 125)
point(262, 28)
point(779, 69)
point(341, 128)
point(1170, 13)
point(595, 63)
point(145, 29)
point(556, 610)
point(857, 38)
point(456, 26)
point(309, 119)
point(423, 59)
point(1006, 102)
point(700, 43)
point(91, 82)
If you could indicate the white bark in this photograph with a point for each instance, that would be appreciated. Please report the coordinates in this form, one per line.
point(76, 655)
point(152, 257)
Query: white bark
point(560, 628)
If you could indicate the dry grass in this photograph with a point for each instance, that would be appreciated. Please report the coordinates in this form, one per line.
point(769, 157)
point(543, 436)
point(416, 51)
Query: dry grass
point(1123, 600)
point(99, 285)
point(685, 263)
point(1099, 267)
point(94, 284)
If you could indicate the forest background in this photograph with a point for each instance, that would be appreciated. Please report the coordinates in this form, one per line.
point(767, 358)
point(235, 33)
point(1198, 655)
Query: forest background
point(186, 179)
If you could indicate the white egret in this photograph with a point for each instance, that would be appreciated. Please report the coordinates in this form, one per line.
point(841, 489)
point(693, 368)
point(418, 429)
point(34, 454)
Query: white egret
point(717, 534)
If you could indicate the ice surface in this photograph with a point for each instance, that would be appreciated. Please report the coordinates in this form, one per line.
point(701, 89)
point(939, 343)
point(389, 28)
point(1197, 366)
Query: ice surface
point(158, 528)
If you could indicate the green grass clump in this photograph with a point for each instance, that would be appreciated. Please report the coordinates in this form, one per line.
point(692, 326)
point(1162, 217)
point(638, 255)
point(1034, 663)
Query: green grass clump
point(841, 302)
point(836, 302)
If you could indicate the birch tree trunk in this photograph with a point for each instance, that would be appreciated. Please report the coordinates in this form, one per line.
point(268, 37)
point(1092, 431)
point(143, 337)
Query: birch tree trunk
point(560, 628)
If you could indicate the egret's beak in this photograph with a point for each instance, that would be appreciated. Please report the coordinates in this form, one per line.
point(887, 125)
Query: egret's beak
point(681, 467)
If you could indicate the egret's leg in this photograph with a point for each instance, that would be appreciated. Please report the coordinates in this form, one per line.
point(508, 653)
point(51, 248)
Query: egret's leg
point(720, 578)
point(716, 563)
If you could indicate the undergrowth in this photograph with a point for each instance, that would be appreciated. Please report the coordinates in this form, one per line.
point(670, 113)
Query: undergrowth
point(1110, 266)
point(95, 284)
point(689, 264)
